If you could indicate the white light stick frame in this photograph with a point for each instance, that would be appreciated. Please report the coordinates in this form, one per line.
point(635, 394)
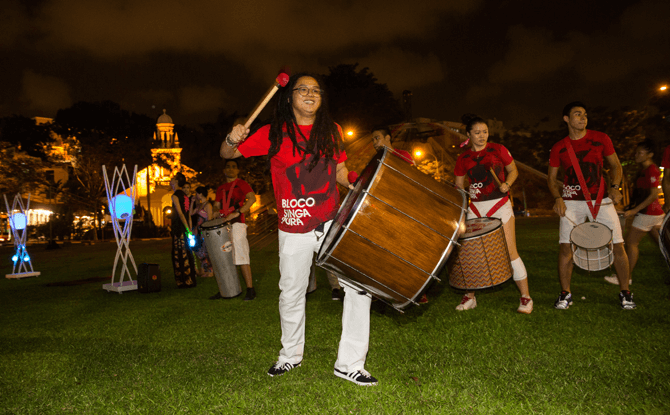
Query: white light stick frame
point(19, 236)
point(122, 233)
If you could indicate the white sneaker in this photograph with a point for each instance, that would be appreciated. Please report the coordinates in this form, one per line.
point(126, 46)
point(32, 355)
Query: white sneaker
point(467, 303)
point(613, 279)
point(525, 305)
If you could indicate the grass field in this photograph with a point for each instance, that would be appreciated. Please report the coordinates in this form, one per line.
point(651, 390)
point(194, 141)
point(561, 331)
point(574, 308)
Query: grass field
point(79, 349)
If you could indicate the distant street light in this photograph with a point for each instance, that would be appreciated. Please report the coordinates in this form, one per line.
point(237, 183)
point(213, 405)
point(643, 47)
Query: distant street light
point(663, 88)
point(420, 153)
point(350, 133)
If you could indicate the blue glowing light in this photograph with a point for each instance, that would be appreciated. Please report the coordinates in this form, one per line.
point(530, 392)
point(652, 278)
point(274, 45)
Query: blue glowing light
point(18, 221)
point(191, 240)
point(122, 206)
point(26, 258)
point(15, 258)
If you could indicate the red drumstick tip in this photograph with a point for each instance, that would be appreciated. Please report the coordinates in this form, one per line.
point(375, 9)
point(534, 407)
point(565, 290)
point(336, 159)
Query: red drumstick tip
point(282, 79)
point(352, 176)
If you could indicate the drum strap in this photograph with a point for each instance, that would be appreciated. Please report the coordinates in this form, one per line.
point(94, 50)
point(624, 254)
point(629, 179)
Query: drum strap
point(227, 208)
point(493, 209)
point(585, 190)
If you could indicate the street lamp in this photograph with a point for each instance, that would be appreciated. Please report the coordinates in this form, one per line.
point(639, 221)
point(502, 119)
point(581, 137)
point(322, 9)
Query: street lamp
point(419, 153)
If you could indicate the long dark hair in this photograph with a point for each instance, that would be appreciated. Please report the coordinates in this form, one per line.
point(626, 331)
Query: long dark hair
point(324, 138)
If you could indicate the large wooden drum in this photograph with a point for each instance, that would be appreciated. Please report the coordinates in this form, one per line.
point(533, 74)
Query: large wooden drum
point(394, 230)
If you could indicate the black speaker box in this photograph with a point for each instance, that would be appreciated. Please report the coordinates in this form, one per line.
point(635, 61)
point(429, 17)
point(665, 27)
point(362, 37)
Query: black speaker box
point(148, 278)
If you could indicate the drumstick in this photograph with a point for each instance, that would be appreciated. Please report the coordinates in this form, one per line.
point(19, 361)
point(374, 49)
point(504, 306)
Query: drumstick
point(495, 176)
point(281, 81)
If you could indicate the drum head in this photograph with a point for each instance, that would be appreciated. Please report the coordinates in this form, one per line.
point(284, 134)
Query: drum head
point(213, 224)
point(591, 235)
point(480, 226)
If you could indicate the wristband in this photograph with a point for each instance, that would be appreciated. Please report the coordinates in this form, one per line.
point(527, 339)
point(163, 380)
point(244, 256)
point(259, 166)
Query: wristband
point(229, 141)
point(559, 197)
point(615, 186)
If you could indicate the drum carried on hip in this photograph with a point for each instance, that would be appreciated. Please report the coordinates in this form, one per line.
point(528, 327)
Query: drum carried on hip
point(482, 259)
point(394, 230)
point(218, 240)
point(591, 244)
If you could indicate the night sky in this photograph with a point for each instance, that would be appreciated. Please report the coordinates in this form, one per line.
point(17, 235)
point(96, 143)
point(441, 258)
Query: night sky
point(517, 61)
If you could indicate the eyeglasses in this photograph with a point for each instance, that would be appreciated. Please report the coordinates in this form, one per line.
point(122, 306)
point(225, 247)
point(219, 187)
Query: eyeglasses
point(304, 91)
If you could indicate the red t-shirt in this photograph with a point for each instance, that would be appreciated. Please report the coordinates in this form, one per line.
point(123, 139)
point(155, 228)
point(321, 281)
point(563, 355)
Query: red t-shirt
point(649, 178)
point(236, 199)
point(404, 155)
point(304, 199)
point(590, 151)
point(477, 165)
point(666, 158)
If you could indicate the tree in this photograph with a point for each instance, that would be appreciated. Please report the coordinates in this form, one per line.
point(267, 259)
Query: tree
point(19, 172)
point(356, 98)
point(26, 135)
point(105, 135)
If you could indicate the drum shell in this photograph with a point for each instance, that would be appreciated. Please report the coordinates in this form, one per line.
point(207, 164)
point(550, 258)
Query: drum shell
point(394, 231)
point(481, 261)
point(591, 258)
point(217, 237)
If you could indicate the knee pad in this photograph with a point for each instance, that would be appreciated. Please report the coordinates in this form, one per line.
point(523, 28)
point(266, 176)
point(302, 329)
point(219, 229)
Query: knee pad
point(519, 270)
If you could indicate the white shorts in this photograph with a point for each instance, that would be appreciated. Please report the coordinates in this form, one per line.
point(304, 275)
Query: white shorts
point(578, 211)
point(504, 213)
point(240, 244)
point(646, 223)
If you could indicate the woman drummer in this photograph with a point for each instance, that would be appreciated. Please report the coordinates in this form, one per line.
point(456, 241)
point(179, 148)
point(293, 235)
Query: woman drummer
point(644, 206)
point(489, 197)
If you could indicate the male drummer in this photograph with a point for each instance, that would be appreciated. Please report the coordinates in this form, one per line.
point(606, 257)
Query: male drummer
point(665, 183)
point(381, 137)
point(302, 144)
point(233, 200)
point(582, 196)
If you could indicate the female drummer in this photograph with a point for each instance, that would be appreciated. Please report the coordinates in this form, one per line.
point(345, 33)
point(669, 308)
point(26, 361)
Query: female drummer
point(489, 197)
point(644, 206)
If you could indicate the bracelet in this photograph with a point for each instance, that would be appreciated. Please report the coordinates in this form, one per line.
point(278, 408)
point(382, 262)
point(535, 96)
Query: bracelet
point(230, 142)
point(508, 185)
point(559, 197)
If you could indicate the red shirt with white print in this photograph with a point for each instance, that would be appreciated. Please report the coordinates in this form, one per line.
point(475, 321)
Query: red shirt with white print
point(231, 196)
point(590, 151)
point(404, 155)
point(477, 165)
point(304, 198)
point(649, 178)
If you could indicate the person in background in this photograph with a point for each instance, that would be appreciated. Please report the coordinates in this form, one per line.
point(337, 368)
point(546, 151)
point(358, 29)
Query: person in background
point(644, 206)
point(201, 212)
point(665, 186)
point(234, 199)
point(490, 199)
point(182, 258)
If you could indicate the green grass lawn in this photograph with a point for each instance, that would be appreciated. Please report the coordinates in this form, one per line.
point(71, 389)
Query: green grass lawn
point(79, 349)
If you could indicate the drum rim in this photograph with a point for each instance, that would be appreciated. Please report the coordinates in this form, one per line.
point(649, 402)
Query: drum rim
point(209, 228)
point(467, 238)
point(326, 251)
point(609, 243)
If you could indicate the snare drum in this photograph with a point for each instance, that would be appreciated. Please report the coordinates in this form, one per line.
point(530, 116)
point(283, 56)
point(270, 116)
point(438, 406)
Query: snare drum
point(592, 248)
point(218, 240)
point(394, 230)
point(482, 259)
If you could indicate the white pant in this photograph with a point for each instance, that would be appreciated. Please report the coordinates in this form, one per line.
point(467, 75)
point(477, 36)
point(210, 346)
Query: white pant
point(295, 260)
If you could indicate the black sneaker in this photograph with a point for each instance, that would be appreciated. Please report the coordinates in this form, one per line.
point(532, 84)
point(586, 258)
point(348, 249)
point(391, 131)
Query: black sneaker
point(336, 295)
point(280, 368)
point(251, 294)
point(564, 301)
point(626, 298)
point(216, 296)
point(360, 377)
